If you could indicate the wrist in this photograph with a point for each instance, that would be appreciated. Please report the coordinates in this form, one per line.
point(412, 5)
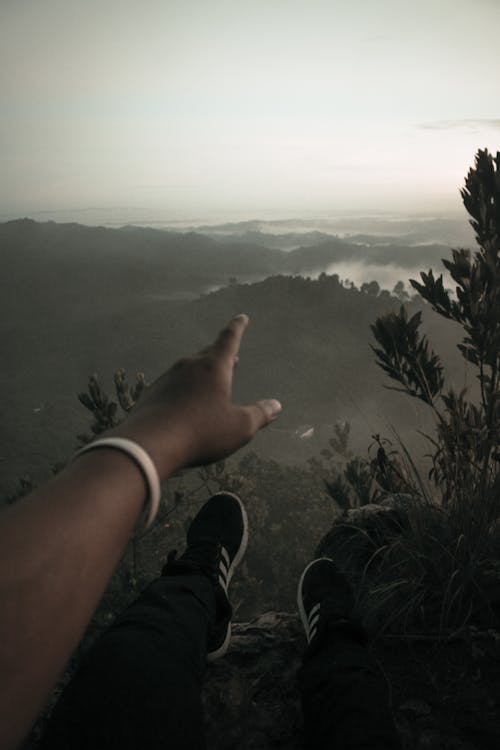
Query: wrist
point(164, 446)
point(111, 484)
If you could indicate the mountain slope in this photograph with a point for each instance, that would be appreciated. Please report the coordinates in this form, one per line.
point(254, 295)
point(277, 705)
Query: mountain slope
point(308, 344)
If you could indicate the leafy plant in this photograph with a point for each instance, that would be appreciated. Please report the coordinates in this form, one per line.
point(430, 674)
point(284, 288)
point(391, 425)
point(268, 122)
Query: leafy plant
point(441, 567)
point(104, 410)
point(339, 491)
point(466, 449)
point(25, 485)
point(405, 356)
point(344, 477)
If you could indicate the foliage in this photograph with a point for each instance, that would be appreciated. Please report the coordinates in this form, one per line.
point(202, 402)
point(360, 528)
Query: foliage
point(337, 468)
point(405, 356)
point(339, 442)
point(371, 287)
point(104, 410)
point(353, 482)
point(340, 491)
point(25, 485)
point(440, 568)
point(400, 292)
point(392, 472)
point(466, 450)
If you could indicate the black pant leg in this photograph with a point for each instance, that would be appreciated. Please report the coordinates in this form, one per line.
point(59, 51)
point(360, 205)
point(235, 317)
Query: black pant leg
point(139, 688)
point(344, 698)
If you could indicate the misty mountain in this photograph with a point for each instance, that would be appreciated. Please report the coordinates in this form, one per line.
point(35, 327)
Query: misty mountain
point(287, 241)
point(90, 266)
point(73, 308)
point(373, 229)
point(133, 260)
point(295, 240)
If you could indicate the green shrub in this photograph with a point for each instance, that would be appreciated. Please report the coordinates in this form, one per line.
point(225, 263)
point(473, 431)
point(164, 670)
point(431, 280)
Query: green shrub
point(441, 568)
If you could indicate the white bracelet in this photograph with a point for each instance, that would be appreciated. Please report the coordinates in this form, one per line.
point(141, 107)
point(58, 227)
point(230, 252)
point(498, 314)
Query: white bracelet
point(145, 465)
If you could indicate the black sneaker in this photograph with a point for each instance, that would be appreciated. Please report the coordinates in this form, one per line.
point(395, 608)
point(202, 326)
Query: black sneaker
point(324, 599)
point(216, 542)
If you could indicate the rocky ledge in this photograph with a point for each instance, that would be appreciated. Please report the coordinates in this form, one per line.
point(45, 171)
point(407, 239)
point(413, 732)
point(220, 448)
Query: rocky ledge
point(252, 701)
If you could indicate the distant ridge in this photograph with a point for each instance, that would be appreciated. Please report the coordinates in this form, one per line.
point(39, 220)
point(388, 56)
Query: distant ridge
point(139, 260)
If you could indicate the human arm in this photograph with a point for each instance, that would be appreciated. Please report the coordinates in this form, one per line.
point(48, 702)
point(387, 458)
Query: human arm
point(60, 545)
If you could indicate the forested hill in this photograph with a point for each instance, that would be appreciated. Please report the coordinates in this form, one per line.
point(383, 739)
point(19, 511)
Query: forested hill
point(80, 261)
point(308, 344)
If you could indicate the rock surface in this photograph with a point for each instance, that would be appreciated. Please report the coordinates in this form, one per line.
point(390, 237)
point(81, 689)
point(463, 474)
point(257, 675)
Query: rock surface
point(251, 695)
point(252, 702)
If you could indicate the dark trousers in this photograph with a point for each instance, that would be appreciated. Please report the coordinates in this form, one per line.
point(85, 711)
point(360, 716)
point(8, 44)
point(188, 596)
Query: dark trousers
point(139, 687)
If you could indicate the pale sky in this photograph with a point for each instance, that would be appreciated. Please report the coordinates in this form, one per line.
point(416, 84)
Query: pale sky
point(197, 108)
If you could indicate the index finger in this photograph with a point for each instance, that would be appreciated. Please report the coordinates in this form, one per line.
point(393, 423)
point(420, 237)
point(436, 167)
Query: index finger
point(227, 343)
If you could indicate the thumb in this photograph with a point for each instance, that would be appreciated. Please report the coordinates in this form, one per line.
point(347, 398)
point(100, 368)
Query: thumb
point(261, 413)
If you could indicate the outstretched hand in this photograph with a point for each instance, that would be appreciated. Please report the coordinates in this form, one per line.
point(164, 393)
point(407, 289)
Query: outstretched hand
point(187, 416)
point(60, 544)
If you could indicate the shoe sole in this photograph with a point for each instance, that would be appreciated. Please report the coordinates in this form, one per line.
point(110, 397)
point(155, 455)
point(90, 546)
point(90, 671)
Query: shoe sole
point(213, 655)
point(300, 598)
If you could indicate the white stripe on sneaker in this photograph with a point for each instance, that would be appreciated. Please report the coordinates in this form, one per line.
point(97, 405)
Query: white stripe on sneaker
point(314, 622)
point(224, 567)
point(223, 578)
point(313, 611)
point(306, 618)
